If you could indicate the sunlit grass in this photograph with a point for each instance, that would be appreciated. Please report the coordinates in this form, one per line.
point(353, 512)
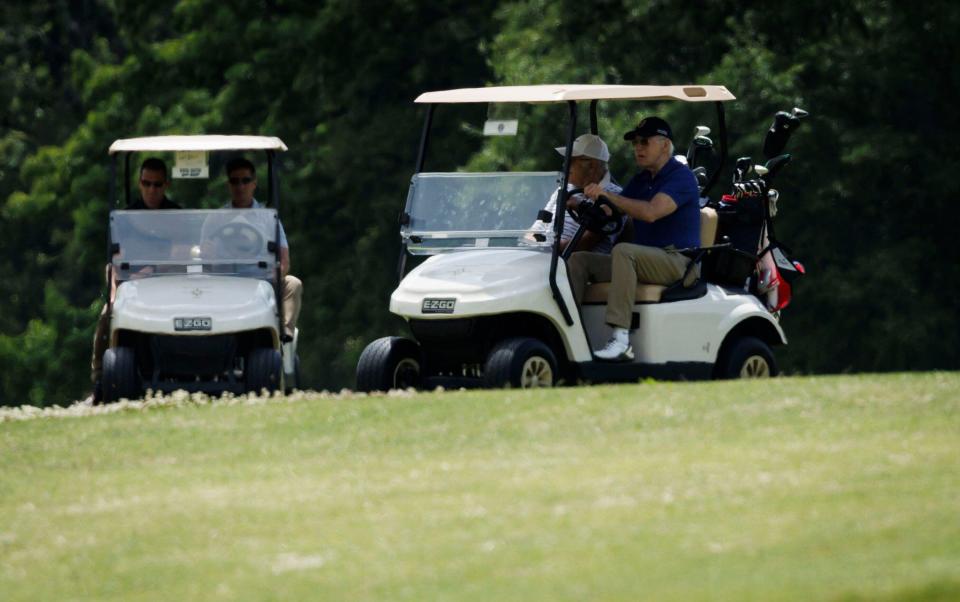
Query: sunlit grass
point(792, 489)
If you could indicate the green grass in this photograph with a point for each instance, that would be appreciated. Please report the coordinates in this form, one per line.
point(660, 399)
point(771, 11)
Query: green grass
point(840, 488)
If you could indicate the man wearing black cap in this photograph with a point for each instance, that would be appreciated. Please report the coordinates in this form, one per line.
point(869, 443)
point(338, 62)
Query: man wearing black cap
point(663, 201)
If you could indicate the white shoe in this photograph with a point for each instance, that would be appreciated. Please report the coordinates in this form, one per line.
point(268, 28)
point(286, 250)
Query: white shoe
point(616, 350)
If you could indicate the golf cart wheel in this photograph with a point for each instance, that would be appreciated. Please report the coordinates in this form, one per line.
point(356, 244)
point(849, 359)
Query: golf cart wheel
point(748, 357)
point(119, 378)
point(263, 370)
point(389, 363)
point(521, 363)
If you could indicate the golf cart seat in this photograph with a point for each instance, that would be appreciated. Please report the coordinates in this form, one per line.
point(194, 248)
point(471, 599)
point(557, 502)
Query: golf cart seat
point(596, 293)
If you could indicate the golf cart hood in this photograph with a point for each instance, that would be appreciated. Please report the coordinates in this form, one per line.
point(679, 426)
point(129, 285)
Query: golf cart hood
point(232, 304)
point(486, 281)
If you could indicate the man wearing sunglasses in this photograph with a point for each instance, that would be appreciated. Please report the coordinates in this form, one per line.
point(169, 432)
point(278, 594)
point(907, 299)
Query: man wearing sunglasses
point(153, 182)
point(663, 200)
point(153, 186)
point(242, 183)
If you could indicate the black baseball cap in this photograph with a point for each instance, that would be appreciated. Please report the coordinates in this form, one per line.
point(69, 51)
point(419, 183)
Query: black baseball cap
point(650, 126)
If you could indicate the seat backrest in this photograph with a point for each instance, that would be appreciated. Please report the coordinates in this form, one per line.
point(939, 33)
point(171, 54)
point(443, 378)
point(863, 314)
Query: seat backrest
point(708, 226)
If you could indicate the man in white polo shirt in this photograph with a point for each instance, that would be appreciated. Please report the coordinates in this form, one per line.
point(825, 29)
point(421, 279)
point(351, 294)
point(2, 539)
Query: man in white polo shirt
point(242, 182)
point(588, 165)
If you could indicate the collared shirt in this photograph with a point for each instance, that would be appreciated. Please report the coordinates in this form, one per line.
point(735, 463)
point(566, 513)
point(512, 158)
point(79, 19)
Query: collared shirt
point(256, 205)
point(570, 225)
point(680, 229)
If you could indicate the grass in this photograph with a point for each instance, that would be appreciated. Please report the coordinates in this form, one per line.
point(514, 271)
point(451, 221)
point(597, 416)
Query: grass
point(839, 488)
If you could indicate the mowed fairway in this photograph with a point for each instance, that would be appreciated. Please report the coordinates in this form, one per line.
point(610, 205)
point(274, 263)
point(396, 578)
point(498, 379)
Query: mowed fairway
point(834, 488)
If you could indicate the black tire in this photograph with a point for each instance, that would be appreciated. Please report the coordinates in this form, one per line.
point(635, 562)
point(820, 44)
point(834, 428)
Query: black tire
point(263, 370)
point(521, 363)
point(747, 357)
point(120, 379)
point(389, 363)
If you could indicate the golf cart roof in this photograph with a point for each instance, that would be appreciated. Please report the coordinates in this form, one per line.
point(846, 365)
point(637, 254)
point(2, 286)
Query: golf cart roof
point(197, 143)
point(572, 92)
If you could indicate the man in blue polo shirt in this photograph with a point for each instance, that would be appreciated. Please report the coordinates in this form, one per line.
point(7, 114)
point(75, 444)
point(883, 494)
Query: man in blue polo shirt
point(663, 200)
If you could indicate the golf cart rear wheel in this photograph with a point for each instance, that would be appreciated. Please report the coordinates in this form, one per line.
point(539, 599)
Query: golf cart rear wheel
point(119, 378)
point(521, 363)
point(748, 357)
point(389, 363)
point(263, 370)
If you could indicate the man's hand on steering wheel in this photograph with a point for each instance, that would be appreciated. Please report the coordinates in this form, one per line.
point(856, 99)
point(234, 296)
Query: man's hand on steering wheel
point(599, 215)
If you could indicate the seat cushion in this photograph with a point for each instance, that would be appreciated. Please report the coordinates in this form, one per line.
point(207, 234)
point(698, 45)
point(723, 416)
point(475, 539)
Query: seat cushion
point(646, 293)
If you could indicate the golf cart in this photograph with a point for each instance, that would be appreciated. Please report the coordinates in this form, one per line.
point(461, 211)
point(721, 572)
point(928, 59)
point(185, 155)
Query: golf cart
point(195, 304)
point(492, 305)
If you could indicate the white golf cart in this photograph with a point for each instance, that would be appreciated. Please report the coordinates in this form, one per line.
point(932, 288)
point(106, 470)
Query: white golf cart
point(195, 304)
point(492, 305)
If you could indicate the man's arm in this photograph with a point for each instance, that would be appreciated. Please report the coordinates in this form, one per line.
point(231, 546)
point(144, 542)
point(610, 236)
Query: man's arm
point(661, 205)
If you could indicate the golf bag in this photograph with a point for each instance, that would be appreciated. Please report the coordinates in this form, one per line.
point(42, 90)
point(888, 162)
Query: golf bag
point(752, 257)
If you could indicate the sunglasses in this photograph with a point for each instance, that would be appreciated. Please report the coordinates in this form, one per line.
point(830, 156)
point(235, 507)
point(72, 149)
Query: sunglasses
point(152, 183)
point(239, 181)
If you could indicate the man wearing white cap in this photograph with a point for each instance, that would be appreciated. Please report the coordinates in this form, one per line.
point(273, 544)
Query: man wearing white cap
point(588, 165)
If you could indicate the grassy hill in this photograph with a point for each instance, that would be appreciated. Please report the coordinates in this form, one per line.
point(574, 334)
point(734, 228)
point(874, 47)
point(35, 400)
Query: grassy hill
point(840, 488)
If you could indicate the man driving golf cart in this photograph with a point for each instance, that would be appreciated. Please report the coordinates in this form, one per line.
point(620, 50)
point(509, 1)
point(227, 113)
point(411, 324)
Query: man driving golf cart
point(588, 166)
point(203, 315)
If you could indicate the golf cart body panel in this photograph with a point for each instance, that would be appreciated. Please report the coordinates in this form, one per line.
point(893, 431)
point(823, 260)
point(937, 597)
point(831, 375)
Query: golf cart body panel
point(681, 331)
point(225, 304)
point(488, 282)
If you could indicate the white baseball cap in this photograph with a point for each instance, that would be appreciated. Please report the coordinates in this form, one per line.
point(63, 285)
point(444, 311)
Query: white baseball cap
point(588, 145)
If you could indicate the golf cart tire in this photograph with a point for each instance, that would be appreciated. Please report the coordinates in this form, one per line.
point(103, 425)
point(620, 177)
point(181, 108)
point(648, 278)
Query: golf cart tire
point(263, 370)
point(520, 363)
point(119, 378)
point(389, 363)
point(747, 357)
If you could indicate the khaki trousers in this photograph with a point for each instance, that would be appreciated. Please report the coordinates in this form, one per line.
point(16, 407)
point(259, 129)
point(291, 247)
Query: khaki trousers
point(292, 292)
point(623, 268)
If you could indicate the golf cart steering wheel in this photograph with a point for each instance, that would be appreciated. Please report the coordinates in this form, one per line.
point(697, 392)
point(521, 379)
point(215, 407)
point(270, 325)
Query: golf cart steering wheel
point(591, 215)
point(239, 240)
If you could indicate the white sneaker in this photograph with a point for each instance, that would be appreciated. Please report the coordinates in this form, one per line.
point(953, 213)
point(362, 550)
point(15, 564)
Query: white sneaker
point(616, 350)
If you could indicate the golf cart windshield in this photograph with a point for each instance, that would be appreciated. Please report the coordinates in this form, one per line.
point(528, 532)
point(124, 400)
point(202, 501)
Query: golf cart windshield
point(217, 241)
point(453, 211)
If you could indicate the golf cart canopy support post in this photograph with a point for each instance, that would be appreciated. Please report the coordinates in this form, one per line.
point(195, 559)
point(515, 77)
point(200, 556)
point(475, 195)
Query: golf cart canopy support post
point(722, 125)
point(560, 214)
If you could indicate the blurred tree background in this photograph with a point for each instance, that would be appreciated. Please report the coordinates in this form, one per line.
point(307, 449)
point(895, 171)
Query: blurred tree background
point(865, 204)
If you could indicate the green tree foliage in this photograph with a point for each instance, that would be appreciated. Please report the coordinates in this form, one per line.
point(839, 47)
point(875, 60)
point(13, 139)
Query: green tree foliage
point(865, 203)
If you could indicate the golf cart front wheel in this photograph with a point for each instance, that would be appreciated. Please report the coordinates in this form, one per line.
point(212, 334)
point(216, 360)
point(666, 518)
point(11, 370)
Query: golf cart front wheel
point(748, 357)
point(521, 363)
point(263, 370)
point(119, 374)
point(389, 363)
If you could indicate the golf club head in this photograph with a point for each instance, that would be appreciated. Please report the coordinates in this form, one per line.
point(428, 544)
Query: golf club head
point(761, 170)
point(775, 165)
point(781, 129)
point(703, 130)
point(741, 168)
